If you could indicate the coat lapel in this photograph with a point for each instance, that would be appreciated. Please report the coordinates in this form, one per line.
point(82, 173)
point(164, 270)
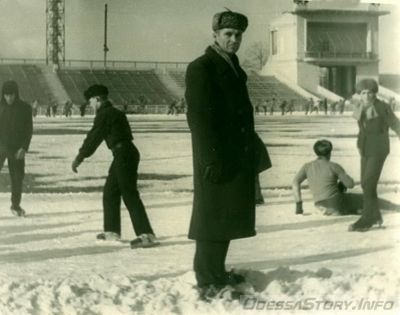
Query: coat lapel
point(223, 68)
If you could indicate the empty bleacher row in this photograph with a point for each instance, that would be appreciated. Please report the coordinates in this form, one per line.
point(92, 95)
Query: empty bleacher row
point(126, 87)
point(30, 80)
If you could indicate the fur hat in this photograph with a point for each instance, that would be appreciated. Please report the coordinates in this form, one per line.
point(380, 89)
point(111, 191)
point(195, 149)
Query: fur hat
point(95, 90)
point(229, 19)
point(10, 87)
point(367, 84)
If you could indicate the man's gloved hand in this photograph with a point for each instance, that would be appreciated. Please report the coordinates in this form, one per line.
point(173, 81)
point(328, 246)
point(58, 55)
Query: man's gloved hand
point(213, 173)
point(342, 188)
point(20, 154)
point(299, 207)
point(75, 165)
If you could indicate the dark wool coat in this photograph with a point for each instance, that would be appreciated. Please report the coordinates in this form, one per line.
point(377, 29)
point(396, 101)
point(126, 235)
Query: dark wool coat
point(110, 124)
point(17, 130)
point(220, 117)
point(373, 136)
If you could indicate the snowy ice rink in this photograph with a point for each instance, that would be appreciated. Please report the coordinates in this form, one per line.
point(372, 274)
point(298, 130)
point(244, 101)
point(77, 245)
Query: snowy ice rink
point(50, 262)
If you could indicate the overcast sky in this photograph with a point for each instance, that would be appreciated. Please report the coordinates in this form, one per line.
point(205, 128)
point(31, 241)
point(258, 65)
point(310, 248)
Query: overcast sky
point(153, 30)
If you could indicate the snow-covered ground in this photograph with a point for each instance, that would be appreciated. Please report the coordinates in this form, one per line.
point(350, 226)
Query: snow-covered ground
point(50, 262)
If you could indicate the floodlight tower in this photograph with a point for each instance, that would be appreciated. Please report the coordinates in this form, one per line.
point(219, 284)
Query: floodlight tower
point(55, 32)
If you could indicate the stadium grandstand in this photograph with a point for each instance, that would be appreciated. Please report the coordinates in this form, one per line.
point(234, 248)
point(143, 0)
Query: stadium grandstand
point(317, 63)
point(152, 88)
point(30, 79)
point(132, 87)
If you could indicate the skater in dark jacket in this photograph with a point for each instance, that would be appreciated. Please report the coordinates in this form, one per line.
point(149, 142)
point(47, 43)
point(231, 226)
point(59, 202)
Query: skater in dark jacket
point(374, 119)
point(111, 125)
point(15, 137)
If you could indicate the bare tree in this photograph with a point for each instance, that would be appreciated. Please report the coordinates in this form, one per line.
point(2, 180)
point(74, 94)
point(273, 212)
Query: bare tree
point(255, 57)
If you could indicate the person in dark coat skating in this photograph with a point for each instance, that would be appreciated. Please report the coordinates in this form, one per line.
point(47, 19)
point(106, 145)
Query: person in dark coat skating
point(111, 125)
point(220, 117)
point(16, 128)
point(374, 119)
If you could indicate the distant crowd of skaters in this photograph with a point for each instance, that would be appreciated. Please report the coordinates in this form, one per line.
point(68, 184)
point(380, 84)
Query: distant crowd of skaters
point(52, 109)
point(272, 105)
point(266, 106)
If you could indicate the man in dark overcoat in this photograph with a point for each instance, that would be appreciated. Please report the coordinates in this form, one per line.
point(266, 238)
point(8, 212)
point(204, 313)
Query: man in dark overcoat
point(15, 137)
point(220, 117)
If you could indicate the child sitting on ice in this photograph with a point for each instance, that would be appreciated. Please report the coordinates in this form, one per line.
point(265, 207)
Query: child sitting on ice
point(328, 183)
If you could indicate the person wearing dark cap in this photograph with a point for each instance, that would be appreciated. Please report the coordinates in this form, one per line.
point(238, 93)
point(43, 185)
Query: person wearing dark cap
point(374, 119)
point(111, 125)
point(220, 118)
point(16, 128)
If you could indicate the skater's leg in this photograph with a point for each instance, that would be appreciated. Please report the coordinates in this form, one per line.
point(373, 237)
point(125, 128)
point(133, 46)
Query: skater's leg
point(112, 203)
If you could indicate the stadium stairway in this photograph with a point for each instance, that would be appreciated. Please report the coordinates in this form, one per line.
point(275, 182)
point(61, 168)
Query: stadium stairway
point(53, 82)
point(176, 89)
point(264, 87)
point(178, 76)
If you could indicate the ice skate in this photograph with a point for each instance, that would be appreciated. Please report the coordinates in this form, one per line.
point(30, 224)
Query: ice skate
point(108, 236)
point(17, 211)
point(144, 241)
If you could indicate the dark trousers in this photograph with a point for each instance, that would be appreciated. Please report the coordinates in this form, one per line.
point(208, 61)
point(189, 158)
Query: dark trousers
point(258, 195)
point(342, 203)
point(122, 181)
point(209, 262)
point(17, 172)
point(371, 168)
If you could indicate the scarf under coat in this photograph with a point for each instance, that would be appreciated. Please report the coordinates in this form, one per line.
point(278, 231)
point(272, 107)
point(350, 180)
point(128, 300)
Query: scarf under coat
point(226, 57)
point(367, 113)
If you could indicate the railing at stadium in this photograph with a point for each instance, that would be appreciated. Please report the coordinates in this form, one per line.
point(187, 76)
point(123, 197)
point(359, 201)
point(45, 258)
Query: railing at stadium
point(331, 54)
point(22, 61)
point(124, 64)
point(99, 64)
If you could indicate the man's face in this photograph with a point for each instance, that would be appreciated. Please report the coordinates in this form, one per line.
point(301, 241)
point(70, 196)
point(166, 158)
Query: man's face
point(10, 98)
point(94, 102)
point(367, 97)
point(229, 39)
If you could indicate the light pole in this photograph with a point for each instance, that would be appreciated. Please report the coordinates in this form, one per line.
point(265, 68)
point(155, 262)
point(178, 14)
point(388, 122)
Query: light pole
point(105, 48)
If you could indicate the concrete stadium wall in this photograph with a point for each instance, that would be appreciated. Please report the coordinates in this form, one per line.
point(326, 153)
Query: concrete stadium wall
point(368, 70)
point(308, 76)
point(285, 26)
point(286, 68)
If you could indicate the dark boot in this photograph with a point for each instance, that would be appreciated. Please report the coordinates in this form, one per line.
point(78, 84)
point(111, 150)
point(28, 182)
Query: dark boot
point(17, 211)
point(363, 225)
point(233, 278)
point(212, 292)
